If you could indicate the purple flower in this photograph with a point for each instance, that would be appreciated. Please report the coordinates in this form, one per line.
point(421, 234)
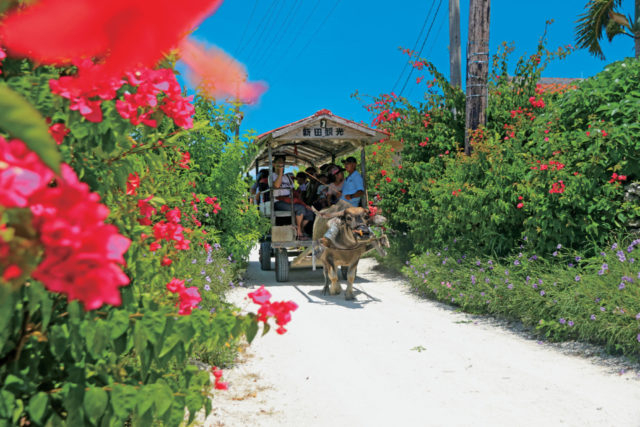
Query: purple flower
point(559, 246)
point(614, 246)
point(562, 321)
point(526, 238)
point(506, 272)
point(605, 266)
point(593, 317)
point(632, 260)
point(597, 300)
point(510, 286)
point(193, 261)
point(208, 279)
point(534, 286)
point(189, 280)
point(600, 272)
point(516, 262)
point(539, 281)
point(212, 310)
point(570, 323)
point(406, 263)
point(603, 254)
point(520, 255)
point(207, 287)
point(578, 259)
point(542, 293)
point(486, 280)
point(577, 278)
point(478, 263)
point(555, 253)
point(203, 272)
point(473, 280)
point(638, 316)
point(638, 337)
point(216, 246)
point(222, 270)
point(621, 286)
point(603, 309)
point(533, 257)
point(570, 265)
point(481, 294)
point(621, 256)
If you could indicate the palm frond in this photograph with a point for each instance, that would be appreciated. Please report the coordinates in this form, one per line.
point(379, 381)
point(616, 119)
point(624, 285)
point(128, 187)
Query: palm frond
point(592, 23)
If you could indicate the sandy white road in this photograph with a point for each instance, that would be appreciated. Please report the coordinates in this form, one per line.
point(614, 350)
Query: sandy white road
point(393, 359)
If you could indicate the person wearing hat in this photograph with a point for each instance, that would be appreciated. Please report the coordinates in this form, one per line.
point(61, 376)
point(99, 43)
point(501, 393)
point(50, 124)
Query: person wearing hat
point(283, 191)
point(353, 187)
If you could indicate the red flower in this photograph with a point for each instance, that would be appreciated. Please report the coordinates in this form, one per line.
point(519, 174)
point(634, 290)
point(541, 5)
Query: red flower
point(154, 246)
point(58, 131)
point(22, 173)
point(519, 205)
point(11, 272)
point(166, 261)
point(383, 172)
point(125, 33)
point(175, 285)
point(218, 74)
point(189, 299)
point(260, 296)
point(133, 183)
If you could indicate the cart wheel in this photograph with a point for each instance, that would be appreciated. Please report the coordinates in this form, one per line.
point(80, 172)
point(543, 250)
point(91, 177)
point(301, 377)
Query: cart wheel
point(282, 265)
point(344, 269)
point(265, 256)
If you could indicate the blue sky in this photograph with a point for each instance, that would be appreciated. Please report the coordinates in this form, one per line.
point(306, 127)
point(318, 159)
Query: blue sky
point(329, 49)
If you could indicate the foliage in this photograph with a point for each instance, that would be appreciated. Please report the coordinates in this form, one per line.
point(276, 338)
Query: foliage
point(563, 295)
point(128, 361)
point(221, 160)
point(549, 164)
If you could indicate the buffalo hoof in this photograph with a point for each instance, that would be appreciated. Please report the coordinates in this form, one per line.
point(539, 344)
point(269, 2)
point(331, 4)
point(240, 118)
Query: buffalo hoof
point(335, 291)
point(349, 296)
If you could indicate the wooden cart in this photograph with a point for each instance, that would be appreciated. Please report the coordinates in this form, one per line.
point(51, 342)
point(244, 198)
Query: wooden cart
point(313, 141)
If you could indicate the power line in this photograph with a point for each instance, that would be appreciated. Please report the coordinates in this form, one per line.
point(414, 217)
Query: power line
point(430, 50)
point(324, 21)
point(246, 27)
point(268, 26)
point(422, 47)
point(280, 35)
point(259, 26)
point(415, 46)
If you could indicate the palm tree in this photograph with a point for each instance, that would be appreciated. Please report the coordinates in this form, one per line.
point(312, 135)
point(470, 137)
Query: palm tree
point(603, 16)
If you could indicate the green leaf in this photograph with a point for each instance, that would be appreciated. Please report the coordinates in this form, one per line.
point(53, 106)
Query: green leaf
point(123, 400)
point(162, 398)
point(118, 323)
point(22, 121)
point(251, 330)
point(37, 406)
point(95, 403)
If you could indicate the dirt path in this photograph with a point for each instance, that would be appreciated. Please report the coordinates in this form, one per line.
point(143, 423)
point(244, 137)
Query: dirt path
point(391, 358)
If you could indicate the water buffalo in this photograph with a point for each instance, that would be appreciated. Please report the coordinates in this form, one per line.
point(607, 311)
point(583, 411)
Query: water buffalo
point(344, 235)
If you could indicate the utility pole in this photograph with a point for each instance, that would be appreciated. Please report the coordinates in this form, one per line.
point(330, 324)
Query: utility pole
point(454, 43)
point(477, 68)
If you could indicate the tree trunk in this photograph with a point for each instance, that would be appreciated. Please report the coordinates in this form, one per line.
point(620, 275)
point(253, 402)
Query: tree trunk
point(477, 67)
point(454, 43)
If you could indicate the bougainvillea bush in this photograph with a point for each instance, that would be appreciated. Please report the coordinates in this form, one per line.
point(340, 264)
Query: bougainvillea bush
point(551, 163)
point(111, 275)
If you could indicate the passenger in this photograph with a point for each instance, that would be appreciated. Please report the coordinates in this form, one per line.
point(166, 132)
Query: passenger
point(336, 181)
point(283, 191)
point(321, 200)
point(353, 188)
point(261, 184)
point(309, 195)
point(303, 182)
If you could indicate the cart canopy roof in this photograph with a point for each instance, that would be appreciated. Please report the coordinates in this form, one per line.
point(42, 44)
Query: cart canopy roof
point(315, 140)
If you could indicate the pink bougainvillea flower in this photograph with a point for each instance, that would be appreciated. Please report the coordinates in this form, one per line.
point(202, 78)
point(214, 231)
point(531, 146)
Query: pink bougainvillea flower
point(133, 182)
point(218, 74)
point(260, 295)
point(175, 285)
point(123, 33)
point(58, 131)
point(11, 272)
point(22, 173)
point(189, 299)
